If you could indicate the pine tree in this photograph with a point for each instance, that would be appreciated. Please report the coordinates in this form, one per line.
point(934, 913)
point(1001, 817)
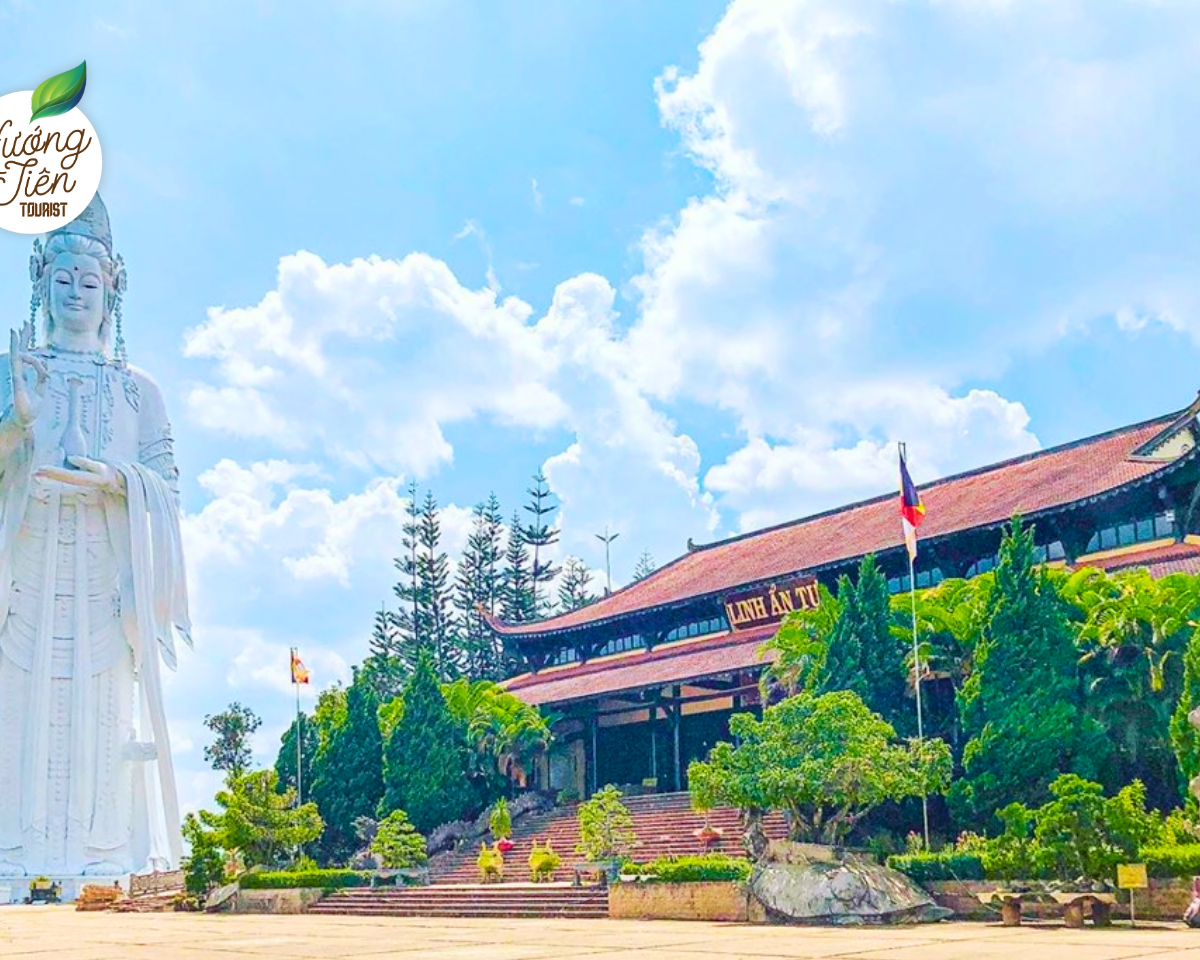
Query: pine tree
point(348, 774)
point(410, 622)
point(645, 566)
point(385, 639)
point(1021, 706)
point(540, 535)
point(573, 591)
point(478, 583)
point(426, 756)
point(516, 604)
point(433, 577)
point(843, 660)
point(882, 654)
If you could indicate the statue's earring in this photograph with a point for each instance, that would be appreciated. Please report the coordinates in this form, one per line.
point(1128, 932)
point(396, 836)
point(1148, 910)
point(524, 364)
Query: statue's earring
point(119, 289)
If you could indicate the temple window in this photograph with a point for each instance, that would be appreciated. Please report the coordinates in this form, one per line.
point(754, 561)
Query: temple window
point(1129, 532)
point(631, 641)
point(697, 628)
point(565, 655)
point(925, 578)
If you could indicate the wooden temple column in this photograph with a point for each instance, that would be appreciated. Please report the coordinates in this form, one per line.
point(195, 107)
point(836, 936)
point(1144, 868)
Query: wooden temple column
point(675, 718)
point(593, 762)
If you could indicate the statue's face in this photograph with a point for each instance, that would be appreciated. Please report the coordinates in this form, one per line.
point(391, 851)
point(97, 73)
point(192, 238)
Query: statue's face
point(77, 293)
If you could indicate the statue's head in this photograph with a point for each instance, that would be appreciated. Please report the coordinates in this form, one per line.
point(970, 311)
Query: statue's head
point(77, 281)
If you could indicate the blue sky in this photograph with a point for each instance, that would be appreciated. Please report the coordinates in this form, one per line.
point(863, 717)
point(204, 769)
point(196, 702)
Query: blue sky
point(702, 264)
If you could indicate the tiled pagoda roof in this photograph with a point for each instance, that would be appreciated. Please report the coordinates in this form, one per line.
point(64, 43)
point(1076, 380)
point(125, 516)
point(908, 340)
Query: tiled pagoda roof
point(670, 663)
point(1030, 485)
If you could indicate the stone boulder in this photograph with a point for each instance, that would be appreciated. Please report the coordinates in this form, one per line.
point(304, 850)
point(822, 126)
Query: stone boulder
point(797, 883)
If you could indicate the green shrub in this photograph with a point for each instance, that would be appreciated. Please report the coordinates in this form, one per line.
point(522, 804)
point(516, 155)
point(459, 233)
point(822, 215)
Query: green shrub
point(288, 880)
point(491, 864)
point(397, 843)
point(543, 861)
point(934, 867)
point(1177, 861)
point(709, 867)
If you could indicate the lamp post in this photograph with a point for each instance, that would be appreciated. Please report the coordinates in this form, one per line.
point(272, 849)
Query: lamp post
point(607, 538)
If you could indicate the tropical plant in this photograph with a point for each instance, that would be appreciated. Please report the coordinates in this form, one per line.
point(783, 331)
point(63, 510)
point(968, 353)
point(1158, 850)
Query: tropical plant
point(499, 821)
point(800, 646)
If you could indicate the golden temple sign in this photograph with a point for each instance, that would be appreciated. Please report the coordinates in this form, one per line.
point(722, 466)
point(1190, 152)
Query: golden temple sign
point(771, 603)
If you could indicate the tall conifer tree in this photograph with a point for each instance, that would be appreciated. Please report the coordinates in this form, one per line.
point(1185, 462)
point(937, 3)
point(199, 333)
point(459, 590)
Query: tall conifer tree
point(434, 592)
point(478, 582)
point(540, 535)
point(517, 598)
point(348, 776)
point(645, 566)
point(1022, 704)
point(573, 591)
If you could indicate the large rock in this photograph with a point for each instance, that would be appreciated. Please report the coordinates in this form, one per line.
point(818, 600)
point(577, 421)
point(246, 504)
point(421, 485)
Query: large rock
point(798, 884)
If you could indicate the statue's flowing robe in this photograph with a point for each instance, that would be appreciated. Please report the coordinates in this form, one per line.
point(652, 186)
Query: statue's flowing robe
point(92, 589)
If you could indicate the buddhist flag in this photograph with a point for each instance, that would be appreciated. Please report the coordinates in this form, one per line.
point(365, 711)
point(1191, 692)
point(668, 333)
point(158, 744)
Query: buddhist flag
point(912, 511)
point(299, 670)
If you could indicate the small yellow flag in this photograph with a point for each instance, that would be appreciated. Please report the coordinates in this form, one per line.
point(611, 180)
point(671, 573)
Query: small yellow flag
point(1132, 876)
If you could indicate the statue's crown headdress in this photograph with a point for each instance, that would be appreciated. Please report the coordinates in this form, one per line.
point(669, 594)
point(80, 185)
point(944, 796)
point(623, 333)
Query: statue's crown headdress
point(93, 222)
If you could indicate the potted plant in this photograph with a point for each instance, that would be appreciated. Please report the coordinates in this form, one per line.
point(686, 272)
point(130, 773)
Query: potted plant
point(703, 801)
point(500, 823)
point(605, 830)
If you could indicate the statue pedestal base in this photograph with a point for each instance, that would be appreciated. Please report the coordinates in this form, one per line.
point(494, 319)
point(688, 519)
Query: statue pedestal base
point(17, 889)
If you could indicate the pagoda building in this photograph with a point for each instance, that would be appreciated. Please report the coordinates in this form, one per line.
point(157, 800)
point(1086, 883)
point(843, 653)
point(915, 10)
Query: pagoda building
point(644, 680)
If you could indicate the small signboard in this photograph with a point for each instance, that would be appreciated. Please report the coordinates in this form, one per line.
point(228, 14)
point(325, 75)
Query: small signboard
point(1132, 876)
point(771, 602)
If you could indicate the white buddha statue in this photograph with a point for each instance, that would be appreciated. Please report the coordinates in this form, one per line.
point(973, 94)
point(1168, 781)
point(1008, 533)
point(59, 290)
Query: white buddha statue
point(91, 579)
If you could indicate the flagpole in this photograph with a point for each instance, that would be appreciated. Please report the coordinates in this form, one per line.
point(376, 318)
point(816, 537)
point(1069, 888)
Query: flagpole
point(912, 594)
point(299, 738)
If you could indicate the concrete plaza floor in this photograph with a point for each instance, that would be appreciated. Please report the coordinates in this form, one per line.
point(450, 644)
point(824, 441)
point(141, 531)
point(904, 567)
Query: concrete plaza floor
point(63, 934)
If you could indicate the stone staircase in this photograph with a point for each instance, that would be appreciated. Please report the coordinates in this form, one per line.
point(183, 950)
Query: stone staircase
point(534, 900)
point(664, 825)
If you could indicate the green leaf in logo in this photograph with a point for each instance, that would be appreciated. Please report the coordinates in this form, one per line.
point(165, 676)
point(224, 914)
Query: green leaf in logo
point(59, 94)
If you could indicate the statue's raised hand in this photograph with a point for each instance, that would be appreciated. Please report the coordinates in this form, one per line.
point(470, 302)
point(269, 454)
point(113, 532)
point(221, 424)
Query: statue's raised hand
point(26, 404)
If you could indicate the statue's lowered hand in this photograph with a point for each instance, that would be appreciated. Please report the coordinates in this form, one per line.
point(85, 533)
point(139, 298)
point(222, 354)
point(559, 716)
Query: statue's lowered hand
point(88, 473)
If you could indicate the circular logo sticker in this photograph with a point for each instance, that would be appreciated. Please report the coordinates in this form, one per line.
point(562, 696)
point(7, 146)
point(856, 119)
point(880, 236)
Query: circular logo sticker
point(49, 166)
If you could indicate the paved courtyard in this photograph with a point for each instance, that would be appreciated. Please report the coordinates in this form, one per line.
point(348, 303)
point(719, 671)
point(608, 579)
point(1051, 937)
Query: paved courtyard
point(63, 934)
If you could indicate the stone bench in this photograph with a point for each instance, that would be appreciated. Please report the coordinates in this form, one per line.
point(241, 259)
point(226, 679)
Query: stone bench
point(1073, 904)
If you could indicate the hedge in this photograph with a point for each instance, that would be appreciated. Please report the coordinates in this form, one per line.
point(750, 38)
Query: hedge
point(285, 880)
point(698, 869)
point(1180, 861)
point(933, 867)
